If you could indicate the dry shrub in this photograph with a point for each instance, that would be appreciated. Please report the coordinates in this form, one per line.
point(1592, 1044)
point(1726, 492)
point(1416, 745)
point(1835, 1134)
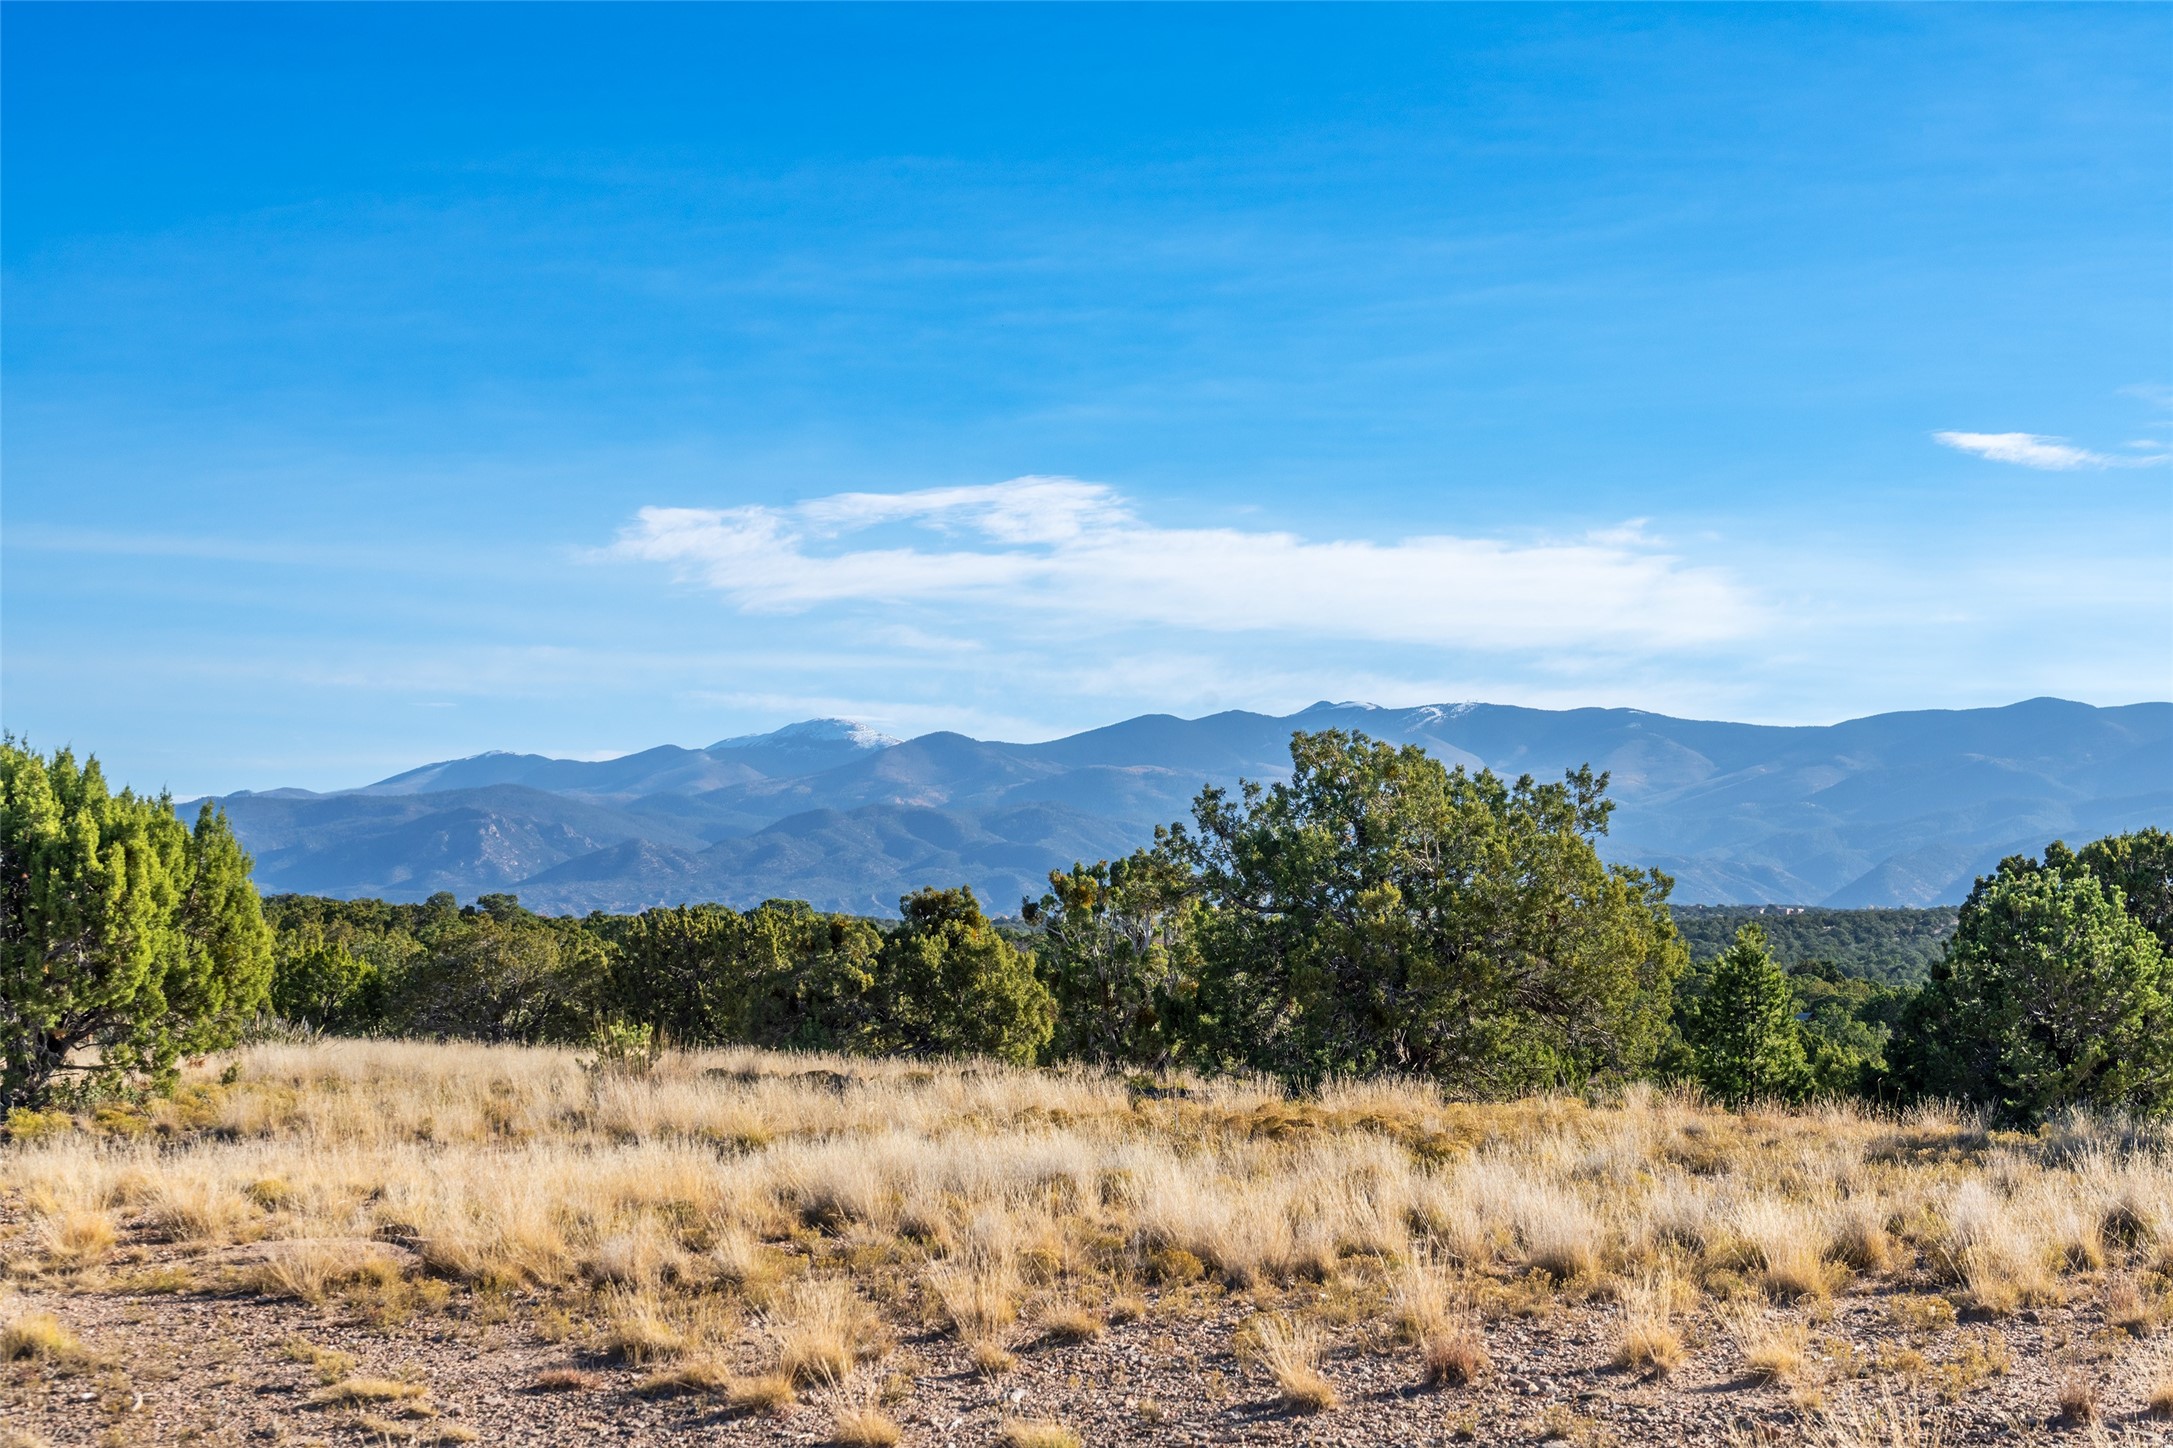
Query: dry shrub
point(2158, 1389)
point(1994, 1250)
point(1650, 1346)
point(1562, 1236)
point(1772, 1350)
point(2077, 1398)
point(738, 1260)
point(351, 1391)
point(77, 1236)
point(639, 1256)
point(857, 1419)
point(638, 1329)
point(980, 1302)
point(329, 1364)
point(40, 1336)
point(1420, 1299)
point(1454, 1356)
point(2127, 1308)
point(566, 1380)
point(1290, 1351)
point(197, 1208)
point(1858, 1236)
point(1035, 1433)
point(822, 1329)
point(1175, 1266)
point(308, 1268)
point(1069, 1322)
point(702, 1374)
point(760, 1393)
point(1920, 1312)
point(1788, 1249)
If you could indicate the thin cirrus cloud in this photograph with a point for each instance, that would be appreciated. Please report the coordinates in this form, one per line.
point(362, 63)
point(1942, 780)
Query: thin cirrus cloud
point(1078, 549)
point(2035, 450)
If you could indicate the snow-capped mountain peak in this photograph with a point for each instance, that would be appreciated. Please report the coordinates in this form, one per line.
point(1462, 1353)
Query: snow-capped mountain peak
point(813, 734)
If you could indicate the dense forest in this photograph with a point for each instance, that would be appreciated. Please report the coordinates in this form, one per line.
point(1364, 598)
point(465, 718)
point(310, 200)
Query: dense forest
point(1378, 912)
point(1893, 947)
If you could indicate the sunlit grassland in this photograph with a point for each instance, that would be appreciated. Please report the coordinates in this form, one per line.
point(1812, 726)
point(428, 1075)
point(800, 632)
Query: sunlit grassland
point(764, 1227)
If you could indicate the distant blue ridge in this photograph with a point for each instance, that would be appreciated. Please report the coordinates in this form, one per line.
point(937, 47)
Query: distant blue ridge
point(1895, 809)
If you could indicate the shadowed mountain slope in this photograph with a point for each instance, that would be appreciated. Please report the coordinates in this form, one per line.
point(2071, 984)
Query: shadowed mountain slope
point(1896, 809)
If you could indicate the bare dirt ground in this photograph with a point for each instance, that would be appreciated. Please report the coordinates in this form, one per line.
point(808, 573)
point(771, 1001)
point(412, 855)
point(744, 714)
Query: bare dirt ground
point(184, 1284)
point(216, 1370)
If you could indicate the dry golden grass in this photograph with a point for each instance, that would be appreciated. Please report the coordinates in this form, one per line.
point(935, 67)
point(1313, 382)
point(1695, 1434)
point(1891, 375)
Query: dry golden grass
point(1773, 1350)
point(857, 1419)
point(1290, 1352)
point(2158, 1392)
point(566, 1380)
point(1650, 1346)
point(2077, 1400)
point(760, 1393)
point(37, 1335)
point(822, 1329)
point(350, 1391)
point(2130, 1309)
point(1454, 1355)
point(1069, 1322)
point(395, 1181)
point(864, 1427)
point(1035, 1433)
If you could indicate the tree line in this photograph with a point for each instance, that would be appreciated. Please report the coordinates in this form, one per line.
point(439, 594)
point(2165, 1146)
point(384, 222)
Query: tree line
point(1890, 946)
point(1377, 912)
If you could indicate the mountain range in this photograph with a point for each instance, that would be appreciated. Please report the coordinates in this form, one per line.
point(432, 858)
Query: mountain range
point(1895, 809)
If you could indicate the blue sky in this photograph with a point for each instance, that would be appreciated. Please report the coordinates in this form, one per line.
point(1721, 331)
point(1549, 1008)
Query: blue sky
point(387, 384)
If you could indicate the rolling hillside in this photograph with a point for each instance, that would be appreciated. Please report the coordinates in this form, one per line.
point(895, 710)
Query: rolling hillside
point(1891, 810)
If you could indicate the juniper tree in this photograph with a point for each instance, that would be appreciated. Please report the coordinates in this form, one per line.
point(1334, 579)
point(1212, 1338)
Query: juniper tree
point(2050, 995)
point(1382, 912)
point(127, 938)
point(950, 984)
point(1742, 1032)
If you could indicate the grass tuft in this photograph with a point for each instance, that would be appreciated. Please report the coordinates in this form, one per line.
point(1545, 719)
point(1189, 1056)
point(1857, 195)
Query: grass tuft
point(1070, 1322)
point(351, 1391)
point(760, 1393)
point(1290, 1351)
point(40, 1336)
point(1454, 1356)
point(2077, 1398)
point(1773, 1352)
point(566, 1380)
point(1650, 1346)
point(863, 1426)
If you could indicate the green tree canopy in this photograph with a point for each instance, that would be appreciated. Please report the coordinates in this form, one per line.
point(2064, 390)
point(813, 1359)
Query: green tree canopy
point(496, 972)
point(780, 975)
point(1383, 912)
point(1116, 943)
point(2051, 995)
point(951, 984)
point(1741, 1029)
point(2140, 866)
point(127, 939)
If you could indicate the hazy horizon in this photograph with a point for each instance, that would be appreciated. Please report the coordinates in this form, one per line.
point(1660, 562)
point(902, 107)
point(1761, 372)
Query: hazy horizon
point(606, 756)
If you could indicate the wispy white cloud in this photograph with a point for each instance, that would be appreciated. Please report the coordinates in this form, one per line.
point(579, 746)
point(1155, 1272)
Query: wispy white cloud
point(2035, 450)
point(1078, 549)
point(2157, 396)
point(2024, 449)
